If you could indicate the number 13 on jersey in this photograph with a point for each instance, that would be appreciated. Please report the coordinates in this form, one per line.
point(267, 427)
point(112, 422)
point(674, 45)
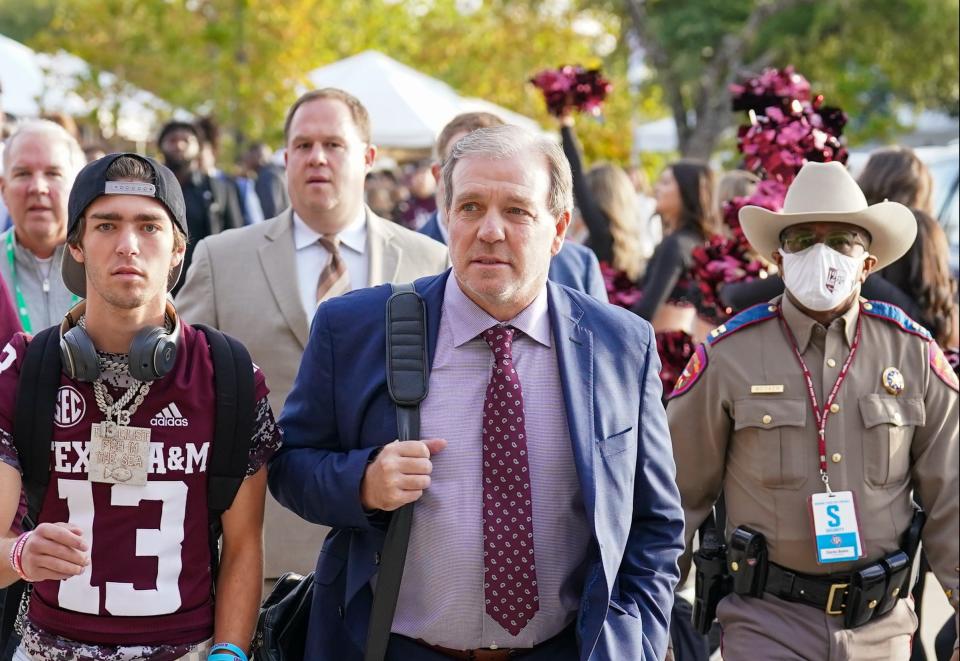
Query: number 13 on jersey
point(165, 543)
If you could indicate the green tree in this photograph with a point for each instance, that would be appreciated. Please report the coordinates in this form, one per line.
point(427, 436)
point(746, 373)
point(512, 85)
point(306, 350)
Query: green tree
point(867, 56)
point(243, 60)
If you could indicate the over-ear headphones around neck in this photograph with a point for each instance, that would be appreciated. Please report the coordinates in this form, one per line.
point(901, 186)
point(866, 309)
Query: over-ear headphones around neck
point(152, 354)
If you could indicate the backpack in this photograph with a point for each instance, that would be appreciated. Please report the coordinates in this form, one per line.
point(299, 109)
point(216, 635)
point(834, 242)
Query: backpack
point(33, 433)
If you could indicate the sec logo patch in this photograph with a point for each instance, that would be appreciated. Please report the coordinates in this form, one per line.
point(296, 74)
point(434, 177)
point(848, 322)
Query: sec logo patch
point(70, 407)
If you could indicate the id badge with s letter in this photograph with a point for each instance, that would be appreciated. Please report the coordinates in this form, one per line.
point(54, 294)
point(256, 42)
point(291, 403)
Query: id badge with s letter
point(836, 528)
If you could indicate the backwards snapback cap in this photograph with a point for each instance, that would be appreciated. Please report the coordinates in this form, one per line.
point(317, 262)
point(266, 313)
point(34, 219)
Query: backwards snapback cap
point(92, 182)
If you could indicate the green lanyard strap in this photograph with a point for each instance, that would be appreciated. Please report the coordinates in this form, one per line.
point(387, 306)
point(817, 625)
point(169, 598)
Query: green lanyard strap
point(22, 311)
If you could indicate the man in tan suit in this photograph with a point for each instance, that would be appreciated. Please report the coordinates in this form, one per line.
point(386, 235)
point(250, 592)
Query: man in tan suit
point(817, 416)
point(262, 283)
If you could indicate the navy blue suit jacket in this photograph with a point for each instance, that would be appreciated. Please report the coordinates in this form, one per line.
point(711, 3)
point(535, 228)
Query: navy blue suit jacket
point(574, 266)
point(339, 411)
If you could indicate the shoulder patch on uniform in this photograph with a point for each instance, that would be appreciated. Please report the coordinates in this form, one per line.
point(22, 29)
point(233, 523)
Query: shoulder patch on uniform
point(750, 316)
point(942, 367)
point(893, 314)
point(695, 367)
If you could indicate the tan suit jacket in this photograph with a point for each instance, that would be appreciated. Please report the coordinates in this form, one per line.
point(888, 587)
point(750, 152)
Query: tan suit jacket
point(244, 282)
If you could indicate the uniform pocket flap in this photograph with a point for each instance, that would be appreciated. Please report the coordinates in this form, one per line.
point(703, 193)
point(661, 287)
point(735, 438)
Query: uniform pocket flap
point(897, 411)
point(769, 413)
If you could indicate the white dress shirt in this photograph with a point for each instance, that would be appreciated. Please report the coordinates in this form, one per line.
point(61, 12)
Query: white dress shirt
point(312, 257)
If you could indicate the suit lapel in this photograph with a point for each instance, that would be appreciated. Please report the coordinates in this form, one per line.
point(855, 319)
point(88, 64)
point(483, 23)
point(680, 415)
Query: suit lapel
point(384, 255)
point(278, 259)
point(574, 345)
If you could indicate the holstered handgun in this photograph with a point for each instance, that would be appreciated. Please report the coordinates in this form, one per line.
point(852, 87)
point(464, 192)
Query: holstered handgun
point(712, 582)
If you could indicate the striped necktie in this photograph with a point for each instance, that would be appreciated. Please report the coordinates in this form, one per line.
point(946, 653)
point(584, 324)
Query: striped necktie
point(334, 278)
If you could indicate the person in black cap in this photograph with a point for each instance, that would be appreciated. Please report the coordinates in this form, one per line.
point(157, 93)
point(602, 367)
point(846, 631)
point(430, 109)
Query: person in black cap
point(212, 203)
point(121, 561)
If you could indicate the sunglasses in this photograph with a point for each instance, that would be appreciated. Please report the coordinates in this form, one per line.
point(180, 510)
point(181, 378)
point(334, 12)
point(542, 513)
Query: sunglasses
point(843, 241)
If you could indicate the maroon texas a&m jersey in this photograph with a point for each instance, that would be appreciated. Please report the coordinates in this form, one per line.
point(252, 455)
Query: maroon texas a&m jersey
point(149, 580)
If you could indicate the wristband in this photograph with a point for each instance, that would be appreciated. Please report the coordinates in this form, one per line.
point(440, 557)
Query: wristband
point(16, 555)
point(235, 651)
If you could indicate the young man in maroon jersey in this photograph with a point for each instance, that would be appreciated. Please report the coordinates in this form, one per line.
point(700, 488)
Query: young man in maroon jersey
point(120, 559)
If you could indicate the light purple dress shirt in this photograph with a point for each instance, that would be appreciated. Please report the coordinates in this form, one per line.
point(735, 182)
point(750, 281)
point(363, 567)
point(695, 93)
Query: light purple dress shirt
point(442, 597)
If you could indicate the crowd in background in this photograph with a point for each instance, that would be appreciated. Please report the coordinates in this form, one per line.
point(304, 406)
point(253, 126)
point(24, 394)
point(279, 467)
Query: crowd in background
point(642, 235)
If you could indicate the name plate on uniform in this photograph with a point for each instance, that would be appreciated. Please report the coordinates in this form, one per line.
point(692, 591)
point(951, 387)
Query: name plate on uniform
point(119, 454)
point(835, 527)
point(766, 389)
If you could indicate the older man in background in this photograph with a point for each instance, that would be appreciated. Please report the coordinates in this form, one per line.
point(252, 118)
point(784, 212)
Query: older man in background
point(40, 161)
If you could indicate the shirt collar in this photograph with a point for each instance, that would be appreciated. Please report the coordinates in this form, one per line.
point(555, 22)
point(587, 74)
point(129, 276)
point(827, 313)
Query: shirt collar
point(26, 253)
point(802, 326)
point(467, 319)
point(353, 236)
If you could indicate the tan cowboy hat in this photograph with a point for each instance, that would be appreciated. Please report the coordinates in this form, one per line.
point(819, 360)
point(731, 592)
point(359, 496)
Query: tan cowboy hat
point(826, 193)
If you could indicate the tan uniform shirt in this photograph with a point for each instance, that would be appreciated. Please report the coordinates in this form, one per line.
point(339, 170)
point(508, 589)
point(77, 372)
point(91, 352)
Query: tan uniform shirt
point(761, 448)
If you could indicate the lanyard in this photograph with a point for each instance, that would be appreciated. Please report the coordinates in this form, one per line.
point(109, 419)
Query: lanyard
point(821, 415)
point(22, 311)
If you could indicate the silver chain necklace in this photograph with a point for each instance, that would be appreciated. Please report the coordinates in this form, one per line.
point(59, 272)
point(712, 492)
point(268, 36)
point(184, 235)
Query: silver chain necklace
point(105, 402)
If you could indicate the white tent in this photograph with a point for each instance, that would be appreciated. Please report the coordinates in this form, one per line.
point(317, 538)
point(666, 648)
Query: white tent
point(34, 83)
point(407, 108)
point(656, 136)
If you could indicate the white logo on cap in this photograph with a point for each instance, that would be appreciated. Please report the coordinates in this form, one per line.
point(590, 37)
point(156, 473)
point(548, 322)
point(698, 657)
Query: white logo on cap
point(129, 188)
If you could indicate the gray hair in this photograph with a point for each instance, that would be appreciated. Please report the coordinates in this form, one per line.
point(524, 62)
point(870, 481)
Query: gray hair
point(52, 131)
point(507, 141)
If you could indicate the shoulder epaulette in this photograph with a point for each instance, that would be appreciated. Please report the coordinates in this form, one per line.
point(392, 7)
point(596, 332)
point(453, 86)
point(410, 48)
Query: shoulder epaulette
point(750, 316)
point(893, 314)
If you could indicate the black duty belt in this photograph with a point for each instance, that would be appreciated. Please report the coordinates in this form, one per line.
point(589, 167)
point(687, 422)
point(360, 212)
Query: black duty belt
point(827, 593)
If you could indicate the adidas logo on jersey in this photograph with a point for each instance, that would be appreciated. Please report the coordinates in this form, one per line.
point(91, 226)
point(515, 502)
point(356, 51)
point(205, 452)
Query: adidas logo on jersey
point(169, 416)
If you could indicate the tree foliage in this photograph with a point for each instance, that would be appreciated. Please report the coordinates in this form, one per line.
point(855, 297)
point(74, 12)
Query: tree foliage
point(868, 56)
point(244, 60)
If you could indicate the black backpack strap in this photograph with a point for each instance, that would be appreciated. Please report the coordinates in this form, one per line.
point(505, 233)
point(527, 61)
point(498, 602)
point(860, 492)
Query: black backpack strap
point(233, 431)
point(32, 433)
point(35, 410)
point(407, 382)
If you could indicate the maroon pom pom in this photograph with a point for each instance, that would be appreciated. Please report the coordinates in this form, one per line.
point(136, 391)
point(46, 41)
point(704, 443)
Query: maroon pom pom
point(621, 290)
point(572, 88)
point(675, 349)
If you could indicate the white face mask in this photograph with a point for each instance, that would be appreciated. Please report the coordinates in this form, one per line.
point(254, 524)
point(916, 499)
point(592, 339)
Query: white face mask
point(821, 278)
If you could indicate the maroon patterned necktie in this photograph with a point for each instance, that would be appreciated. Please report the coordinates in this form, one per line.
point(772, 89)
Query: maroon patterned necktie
point(510, 576)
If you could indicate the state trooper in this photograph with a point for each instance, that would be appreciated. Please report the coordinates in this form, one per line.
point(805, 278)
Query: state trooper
point(817, 416)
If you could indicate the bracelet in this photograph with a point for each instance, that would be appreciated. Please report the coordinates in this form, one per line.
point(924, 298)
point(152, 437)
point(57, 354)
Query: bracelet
point(226, 647)
point(16, 554)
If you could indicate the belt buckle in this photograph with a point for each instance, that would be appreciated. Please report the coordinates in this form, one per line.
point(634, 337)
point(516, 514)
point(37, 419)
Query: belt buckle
point(834, 589)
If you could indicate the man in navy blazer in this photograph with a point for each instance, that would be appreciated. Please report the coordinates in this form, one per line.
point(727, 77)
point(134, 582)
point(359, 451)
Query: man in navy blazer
point(586, 571)
point(574, 266)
